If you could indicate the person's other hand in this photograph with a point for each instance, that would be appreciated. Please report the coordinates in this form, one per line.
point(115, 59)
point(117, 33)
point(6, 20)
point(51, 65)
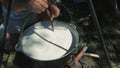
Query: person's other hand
point(37, 6)
point(11, 40)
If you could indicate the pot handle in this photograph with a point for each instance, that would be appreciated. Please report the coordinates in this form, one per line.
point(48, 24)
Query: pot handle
point(17, 47)
point(73, 26)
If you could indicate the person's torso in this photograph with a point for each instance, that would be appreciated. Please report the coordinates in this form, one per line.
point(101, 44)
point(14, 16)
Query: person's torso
point(18, 19)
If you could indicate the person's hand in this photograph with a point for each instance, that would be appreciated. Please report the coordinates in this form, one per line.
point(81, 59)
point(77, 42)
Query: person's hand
point(53, 12)
point(37, 6)
point(11, 40)
point(41, 6)
point(50, 13)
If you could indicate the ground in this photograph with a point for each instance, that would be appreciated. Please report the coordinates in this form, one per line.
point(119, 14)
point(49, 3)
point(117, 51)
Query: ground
point(86, 27)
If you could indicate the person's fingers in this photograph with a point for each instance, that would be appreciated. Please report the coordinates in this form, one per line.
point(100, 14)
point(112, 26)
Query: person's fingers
point(54, 11)
point(41, 4)
point(38, 6)
point(44, 3)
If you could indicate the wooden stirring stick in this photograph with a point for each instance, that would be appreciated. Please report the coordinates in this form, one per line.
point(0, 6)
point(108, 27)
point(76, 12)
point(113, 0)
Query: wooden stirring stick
point(52, 24)
point(51, 19)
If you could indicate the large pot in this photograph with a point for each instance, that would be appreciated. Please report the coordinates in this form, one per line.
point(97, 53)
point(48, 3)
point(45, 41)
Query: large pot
point(50, 48)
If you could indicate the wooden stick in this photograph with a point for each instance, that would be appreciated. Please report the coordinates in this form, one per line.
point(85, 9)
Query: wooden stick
point(92, 55)
point(80, 54)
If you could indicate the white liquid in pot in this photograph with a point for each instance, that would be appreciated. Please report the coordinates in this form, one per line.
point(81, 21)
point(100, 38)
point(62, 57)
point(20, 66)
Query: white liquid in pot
point(43, 44)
